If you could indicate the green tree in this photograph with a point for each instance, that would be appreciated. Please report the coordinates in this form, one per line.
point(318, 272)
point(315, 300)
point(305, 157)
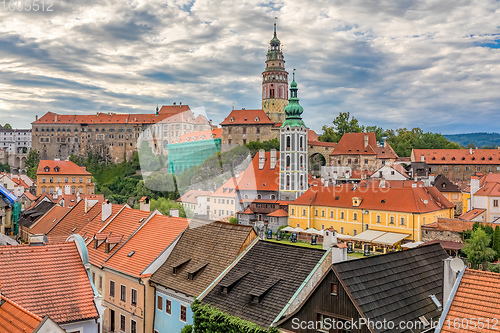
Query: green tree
point(342, 124)
point(233, 220)
point(7, 126)
point(164, 205)
point(4, 168)
point(496, 241)
point(32, 163)
point(255, 146)
point(476, 248)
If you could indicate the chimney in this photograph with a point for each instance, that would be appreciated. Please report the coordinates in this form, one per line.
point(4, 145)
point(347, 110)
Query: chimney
point(452, 267)
point(339, 253)
point(36, 117)
point(144, 204)
point(38, 240)
point(366, 140)
point(55, 118)
point(262, 159)
point(422, 158)
point(89, 203)
point(385, 143)
point(329, 238)
point(174, 103)
point(474, 187)
point(174, 212)
point(273, 159)
point(106, 210)
point(382, 183)
point(180, 103)
point(471, 151)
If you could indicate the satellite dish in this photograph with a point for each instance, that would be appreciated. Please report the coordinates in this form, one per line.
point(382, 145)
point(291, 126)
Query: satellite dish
point(457, 265)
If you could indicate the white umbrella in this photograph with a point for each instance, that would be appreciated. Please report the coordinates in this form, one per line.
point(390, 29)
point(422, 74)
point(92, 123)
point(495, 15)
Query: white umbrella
point(287, 229)
point(297, 230)
point(311, 231)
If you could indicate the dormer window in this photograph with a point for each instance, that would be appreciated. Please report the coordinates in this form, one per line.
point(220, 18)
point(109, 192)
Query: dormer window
point(47, 169)
point(257, 119)
point(231, 119)
point(57, 169)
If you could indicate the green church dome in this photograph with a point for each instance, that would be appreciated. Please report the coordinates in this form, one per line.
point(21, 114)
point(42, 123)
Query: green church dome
point(293, 110)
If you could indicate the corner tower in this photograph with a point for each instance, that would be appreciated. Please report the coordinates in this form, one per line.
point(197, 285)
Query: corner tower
point(275, 82)
point(293, 149)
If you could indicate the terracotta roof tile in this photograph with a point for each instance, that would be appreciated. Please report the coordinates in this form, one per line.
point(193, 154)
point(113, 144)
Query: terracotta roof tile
point(398, 199)
point(15, 319)
point(65, 168)
point(456, 156)
point(354, 144)
point(59, 286)
point(47, 221)
point(200, 135)
point(191, 196)
point(247, 117)
point(163, 230)
point(472, 214)
point(476, 297)
point(256, 179)
point(278, 213)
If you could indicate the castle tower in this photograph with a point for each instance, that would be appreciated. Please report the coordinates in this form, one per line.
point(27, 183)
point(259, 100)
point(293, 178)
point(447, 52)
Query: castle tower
point(293, 149)
point(275, 82)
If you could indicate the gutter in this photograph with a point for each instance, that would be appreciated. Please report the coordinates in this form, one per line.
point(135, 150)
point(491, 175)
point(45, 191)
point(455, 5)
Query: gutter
point(448, 301)
point(302, 286)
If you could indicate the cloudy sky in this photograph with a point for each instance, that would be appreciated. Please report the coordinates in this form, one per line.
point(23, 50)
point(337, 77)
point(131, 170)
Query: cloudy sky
point(432, 64)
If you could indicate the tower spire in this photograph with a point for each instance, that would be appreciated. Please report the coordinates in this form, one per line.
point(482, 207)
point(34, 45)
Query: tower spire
point(293, 110)
point(275, 35)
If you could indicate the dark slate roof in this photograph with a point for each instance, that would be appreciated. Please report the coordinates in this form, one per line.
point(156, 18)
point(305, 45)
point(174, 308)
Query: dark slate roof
point(396, 286)
point(3, 203)
point(443, 184)
point(28, 217)
point(271, 271)
point(206, 251)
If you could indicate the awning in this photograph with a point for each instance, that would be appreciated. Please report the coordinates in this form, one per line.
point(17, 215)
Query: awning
point(368, 236)
point(297, 230)
point(287, 229)
point(340, 236)
point(311, 231)
point(390, 238)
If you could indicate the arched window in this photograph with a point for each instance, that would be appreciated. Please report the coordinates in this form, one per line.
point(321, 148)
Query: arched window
point(300, 143)
point(288, 161)
point(288, 141)
point(273, 197)
point(301, 163)
point(259, 196)
point(301, 181)
point(287, 181)
point(271, 93)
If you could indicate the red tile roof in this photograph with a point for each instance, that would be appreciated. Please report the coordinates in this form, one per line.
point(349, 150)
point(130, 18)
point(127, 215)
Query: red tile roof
point(30, 196)
point(66, 168)
point(146, 244)
point(256, 179)
point(191, 196)
point(47, 221)
point(354, 144)
point(312, 136)
point(74, 221)
point(456, 156)
point(472, 214)
point(48, 280)
point(476, 297)
point(15, 319)
point(227, 189)
point(247, 117)
point(278, 213)
point(398, 199)
point(122, 225)
point(201, 135)
point(322, 144)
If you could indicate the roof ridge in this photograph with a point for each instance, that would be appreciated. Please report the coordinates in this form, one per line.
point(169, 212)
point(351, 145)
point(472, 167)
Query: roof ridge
point(20, 307)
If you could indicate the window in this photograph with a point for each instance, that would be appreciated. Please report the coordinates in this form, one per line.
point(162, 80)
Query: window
point(467, 168)
point(43, 180)
point(355, 216)
point(133, 326)
point(456, 168)
point(341, 230)
point(80, 179)
point(316, 213)
point(73, 179)
point(322, 213)
point(183, 313)
point(402, 221)
point(334, 288)
point(478, 168)
point(293, 211)
point(51, 179)
point(331, 214)
point(342, 215)
point(112, 288)
point(378, 219)
point(123, 293)
point(93, 277)
point(133, 297)
point(100, 282)
point(122, 322)
point(391, 221)
point(495, 203)
point(355, 232)
point(159, 303)
point(168, 306)
point(303, 212)
point(366, 161)
point(445, 168)
point(65, 179)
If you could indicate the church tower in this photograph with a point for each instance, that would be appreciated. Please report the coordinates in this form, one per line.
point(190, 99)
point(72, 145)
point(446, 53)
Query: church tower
point(293, 149)
point(275, 82)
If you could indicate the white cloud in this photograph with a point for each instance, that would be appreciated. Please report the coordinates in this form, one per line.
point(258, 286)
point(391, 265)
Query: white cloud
point(404, 63)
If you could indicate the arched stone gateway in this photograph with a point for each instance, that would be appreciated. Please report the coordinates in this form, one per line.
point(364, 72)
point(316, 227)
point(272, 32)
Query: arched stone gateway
point(316, 161)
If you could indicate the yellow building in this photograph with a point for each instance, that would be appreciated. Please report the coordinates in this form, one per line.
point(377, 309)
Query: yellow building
point(64, 176)
point(352, 209)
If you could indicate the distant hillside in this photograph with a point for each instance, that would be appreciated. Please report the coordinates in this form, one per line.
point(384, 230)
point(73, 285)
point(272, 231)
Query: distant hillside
point(478, 139)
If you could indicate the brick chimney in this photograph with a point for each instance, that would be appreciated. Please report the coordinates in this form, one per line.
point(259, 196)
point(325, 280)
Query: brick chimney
point(273, 159)
point(144, 204)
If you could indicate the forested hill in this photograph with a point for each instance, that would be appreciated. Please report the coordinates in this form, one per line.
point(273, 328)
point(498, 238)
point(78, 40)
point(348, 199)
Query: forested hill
point(491, 140)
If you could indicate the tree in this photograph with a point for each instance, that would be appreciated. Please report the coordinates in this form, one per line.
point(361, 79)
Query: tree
point(255, 146)
point(32, 163)
point(496, 241)
point(233, 220)
point(7, 126)
point(476, 248)
point(164, 205)
point(342, 124)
